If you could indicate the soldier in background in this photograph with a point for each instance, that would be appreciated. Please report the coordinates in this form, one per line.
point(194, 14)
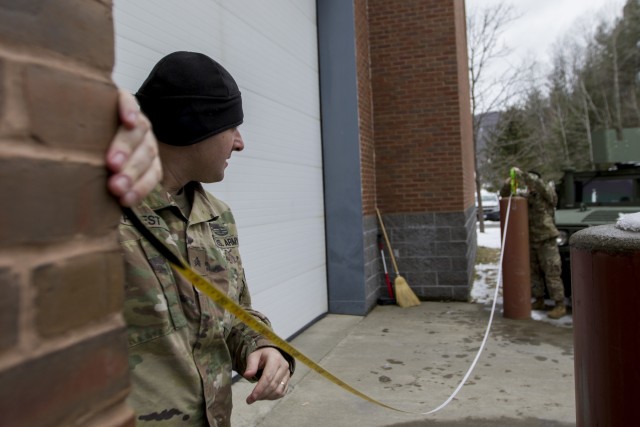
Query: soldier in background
point(544, 255)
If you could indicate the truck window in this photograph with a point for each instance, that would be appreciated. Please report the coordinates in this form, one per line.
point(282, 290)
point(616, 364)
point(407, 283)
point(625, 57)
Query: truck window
point(607, 191)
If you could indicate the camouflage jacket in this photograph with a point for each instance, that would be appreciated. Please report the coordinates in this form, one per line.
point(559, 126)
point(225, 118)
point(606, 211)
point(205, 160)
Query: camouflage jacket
point(541, 202)
point(182, 347)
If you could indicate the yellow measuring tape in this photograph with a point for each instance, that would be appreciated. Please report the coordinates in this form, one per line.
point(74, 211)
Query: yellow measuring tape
point(232, 307)
point(224, 302)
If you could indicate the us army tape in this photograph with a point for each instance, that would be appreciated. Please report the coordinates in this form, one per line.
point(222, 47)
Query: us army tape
point(227, 304)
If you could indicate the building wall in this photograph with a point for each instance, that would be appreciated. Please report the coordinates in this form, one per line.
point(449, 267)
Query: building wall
point(373, 266)
point(63, 353)
point(416, 76)
point(464, 104)
point(365, 108)
point(423, 145)
point(415, 152)
point(342, 158)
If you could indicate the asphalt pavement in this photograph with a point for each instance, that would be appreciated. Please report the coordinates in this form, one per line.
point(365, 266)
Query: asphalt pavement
point(413, 359)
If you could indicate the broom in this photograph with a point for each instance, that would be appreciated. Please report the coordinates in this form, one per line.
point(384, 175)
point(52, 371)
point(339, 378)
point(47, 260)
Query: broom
point(404, 295)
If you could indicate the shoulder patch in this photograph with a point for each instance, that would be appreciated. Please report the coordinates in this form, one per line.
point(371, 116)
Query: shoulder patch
point(223, 237)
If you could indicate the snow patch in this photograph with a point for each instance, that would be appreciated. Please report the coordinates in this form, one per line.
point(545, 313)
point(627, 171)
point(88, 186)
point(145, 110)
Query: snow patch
point(629, 222)
point(491, 236)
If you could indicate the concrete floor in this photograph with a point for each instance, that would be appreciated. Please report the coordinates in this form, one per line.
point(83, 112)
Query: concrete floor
point(413, 359)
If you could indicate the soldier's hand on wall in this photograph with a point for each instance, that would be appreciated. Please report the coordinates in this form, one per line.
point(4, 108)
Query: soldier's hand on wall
point(132, 157)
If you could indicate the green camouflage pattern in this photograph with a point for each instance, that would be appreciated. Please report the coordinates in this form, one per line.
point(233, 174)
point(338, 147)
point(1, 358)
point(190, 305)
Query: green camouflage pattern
point(545, 269)
point(541, 201)
point(544, 255)
point(182, 347)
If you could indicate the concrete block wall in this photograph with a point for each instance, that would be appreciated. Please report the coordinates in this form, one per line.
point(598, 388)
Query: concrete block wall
point(63, 353)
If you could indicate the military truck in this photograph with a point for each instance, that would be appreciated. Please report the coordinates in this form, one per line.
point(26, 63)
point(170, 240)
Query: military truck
point(601, 195)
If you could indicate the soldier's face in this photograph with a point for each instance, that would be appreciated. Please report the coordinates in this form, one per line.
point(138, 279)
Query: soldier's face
point(211, 157)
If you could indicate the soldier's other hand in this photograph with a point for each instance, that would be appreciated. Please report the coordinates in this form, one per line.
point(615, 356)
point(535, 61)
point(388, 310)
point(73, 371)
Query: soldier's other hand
point(132, 157)
point(274, 381)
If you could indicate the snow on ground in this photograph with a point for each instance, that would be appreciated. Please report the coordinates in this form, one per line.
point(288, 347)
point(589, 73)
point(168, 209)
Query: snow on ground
point(491, 237)
point(484, 286)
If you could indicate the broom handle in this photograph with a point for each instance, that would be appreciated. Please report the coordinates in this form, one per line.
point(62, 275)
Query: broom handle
point(386, 239)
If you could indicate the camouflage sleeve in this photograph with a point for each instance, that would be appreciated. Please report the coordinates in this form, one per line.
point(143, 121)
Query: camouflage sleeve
point(243, 341)
point(538, 185)
point(505, 191)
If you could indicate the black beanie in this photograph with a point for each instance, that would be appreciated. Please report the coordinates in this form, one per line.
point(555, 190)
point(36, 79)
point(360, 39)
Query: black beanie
point(189, 97)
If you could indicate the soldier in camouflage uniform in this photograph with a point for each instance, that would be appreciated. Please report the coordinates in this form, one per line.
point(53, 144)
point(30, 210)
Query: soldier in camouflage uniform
point(182, 346)
point(543, 250)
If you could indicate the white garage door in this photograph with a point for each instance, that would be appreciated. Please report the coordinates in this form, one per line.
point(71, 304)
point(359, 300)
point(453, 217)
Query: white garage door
point(275, 185)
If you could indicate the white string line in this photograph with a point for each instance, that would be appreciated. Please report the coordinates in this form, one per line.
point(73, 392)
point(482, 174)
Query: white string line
point(493, 309)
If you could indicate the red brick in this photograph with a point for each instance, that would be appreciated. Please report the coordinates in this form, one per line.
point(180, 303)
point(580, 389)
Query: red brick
point(60, 388)
point(367, 146)
point(57, 201)
point(419, 104)
point(9, 308)
point(76, 291)
point(87, 107)
point(57, 115)
point(79, 29)
point(3, 95)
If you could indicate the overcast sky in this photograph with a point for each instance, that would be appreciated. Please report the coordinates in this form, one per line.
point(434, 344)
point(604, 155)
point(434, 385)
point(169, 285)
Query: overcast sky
point(543, 23)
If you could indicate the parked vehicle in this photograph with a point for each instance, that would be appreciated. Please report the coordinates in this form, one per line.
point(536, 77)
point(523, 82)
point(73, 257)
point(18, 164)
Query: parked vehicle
point(599, 196)
point(490, 205)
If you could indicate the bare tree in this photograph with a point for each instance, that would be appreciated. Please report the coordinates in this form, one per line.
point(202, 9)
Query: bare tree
point(484, 28)
point(574, 99)
point(593, 85)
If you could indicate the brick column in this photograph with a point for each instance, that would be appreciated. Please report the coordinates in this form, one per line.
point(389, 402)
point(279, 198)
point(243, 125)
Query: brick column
point(373, 277)
point(63, 354)
point(423, 145)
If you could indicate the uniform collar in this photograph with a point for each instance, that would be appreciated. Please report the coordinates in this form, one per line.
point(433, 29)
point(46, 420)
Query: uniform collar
point(202, 209)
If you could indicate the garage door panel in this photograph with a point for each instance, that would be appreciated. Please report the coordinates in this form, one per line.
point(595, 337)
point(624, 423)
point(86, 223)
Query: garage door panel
point(291, 314)
point(299, 17)
point(259, 196)
point(294, 249)
point(276, 133)
point(263, 76)
point(164, 26)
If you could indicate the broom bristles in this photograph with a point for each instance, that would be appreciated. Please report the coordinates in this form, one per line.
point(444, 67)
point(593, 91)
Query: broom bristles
point(404, 295)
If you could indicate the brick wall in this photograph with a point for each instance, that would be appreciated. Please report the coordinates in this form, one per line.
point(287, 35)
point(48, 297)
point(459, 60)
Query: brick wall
point(464, 104)
point(373, 266)
point(365, 108)
point(63, 354)
point(423, 145)
point(418, 69)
